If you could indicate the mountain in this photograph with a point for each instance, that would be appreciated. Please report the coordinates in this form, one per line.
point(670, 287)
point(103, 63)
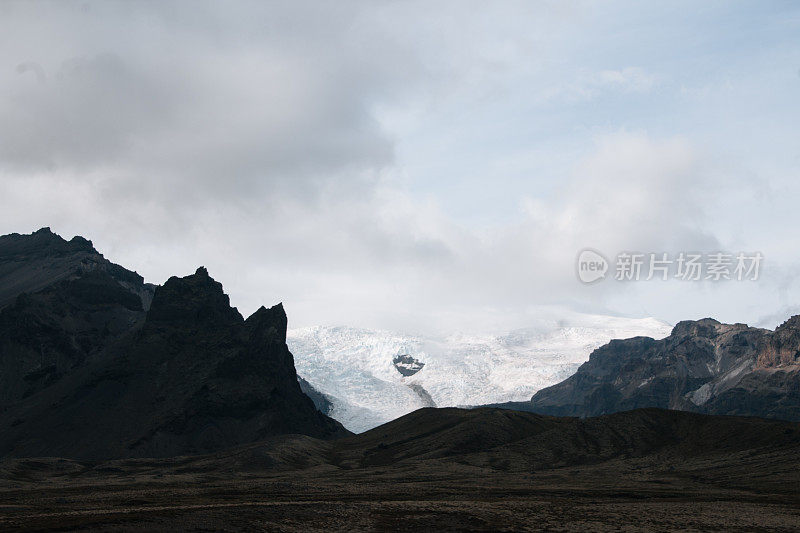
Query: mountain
point(371, 377)
point(61, 304)
point(703, 366)
point(96, 364)
point(440, 469)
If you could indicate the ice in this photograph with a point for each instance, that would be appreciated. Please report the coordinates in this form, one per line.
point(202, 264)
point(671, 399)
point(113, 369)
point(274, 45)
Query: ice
point(355, 369)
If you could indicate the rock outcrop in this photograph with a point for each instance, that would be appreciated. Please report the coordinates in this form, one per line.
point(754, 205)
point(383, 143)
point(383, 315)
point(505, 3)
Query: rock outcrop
point(407, 365)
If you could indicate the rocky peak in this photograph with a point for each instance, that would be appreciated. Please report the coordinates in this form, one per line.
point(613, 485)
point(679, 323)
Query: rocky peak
point(40, 243)
point(37, 261)
point(268, 325)
point(196, 299)
point(791, 325)
point(619, 351)
point(706, 327)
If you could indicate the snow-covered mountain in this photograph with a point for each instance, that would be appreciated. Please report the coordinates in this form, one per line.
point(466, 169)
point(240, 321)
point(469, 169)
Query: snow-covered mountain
point(372, 377)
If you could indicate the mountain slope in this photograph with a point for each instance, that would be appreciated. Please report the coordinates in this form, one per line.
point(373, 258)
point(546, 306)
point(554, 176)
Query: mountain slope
point(703, 366)
point(525, 441)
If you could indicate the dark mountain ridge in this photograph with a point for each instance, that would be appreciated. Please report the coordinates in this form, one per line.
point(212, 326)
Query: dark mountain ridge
point(91, 368)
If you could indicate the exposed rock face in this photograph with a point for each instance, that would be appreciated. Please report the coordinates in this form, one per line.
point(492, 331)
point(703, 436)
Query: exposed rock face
point(321, 401)
point(86, 372)
point(703, 366)
point(407, 365)
point(781, 348)
point(423, 394)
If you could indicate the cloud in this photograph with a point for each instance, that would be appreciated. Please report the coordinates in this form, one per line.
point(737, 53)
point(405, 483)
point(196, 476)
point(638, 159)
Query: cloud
point(346, 159)
point(231, 102)
point(631, 192)
point(383, 258)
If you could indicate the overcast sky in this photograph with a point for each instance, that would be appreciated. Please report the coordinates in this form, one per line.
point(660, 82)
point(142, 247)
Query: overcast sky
point(412, 166)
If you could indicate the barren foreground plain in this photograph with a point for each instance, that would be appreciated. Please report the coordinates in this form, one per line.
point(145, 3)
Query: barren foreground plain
point(440, 469)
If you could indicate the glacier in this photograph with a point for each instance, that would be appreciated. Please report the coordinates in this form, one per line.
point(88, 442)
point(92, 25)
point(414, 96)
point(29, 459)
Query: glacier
point(357, 370)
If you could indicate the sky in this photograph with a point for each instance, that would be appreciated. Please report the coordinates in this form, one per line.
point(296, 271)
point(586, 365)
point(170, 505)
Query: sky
point(413, 166)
